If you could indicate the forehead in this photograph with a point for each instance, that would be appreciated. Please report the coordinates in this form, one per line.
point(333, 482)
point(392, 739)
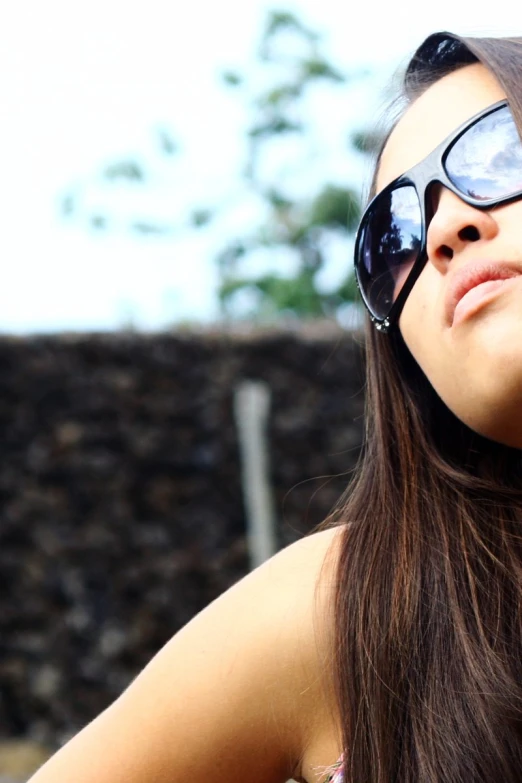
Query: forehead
point(434, 116)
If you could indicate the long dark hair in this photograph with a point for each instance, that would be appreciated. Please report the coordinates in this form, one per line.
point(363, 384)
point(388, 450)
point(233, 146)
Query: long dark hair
point(428, 653)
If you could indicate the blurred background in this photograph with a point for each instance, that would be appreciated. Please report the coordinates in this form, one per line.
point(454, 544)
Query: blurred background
point(152, 154)
point(180, 188)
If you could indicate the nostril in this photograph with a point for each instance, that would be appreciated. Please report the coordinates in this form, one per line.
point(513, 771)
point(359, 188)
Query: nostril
point(469, 233)
point(446, 252)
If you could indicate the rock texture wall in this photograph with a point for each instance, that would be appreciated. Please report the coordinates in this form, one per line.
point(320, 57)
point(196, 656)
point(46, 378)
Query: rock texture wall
point(121, 511)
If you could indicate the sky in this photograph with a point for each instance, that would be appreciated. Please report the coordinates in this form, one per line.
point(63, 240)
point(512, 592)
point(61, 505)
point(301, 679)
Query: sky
point(83, 85)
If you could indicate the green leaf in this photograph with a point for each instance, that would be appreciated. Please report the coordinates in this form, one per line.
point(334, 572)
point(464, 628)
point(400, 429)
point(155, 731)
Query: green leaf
point(282, 20)
point(126, 170)
point(167, 142)
point(317, 68)
point(278, 22)
point(201, 217)
point(149, 229)
point(279, 97)
point(335, 207)
point(229, 256)
point(68, 205)
point(277, 200)
point(229, 287)
point(275, 127)
point(98, 222)
point(232, 78)
point(297, 295)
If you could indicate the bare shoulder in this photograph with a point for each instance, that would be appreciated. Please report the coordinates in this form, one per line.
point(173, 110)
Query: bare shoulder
point(240, 693)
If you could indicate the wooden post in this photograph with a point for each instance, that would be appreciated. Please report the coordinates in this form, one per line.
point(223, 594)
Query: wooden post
point(252, 406)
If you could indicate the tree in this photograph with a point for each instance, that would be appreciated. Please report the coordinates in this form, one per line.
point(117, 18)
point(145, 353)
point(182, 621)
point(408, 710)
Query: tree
point(291, 65)
point(300, 224)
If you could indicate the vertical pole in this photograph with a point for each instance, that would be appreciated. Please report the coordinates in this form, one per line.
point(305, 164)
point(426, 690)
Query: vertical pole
point(251, 407)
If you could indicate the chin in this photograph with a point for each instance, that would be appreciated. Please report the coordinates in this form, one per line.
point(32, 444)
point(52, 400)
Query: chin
point(486, 393)
point(495, 416)
point(507, 435)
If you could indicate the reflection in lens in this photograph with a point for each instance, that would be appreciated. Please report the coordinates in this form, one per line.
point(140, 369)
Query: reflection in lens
point(486, 161)
point(389, 247)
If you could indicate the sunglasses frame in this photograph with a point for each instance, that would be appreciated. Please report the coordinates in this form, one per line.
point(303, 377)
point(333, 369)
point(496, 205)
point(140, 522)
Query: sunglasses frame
point(422, 176)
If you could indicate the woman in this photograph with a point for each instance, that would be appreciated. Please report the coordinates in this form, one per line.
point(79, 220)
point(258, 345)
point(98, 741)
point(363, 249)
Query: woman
point(393, 638)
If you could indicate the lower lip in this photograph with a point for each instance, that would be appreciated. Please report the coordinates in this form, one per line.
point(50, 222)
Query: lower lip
point(478, 296)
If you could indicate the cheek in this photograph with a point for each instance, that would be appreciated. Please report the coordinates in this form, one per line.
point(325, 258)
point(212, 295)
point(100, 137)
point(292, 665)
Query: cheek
point(423, 330)
point(509, 221)
point(400, 277)
point(420, 319)
point(477, 372)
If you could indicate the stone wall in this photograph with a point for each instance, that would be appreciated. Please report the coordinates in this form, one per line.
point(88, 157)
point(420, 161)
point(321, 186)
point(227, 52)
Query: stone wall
point(121, 511)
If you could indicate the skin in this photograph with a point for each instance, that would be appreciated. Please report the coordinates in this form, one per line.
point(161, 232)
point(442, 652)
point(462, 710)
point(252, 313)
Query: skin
point(475, 365)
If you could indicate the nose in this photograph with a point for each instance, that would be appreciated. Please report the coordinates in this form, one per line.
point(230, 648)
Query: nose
point(454, 226)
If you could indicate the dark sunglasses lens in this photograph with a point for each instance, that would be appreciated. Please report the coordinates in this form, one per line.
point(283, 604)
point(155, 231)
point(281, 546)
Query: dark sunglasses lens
point(389, 247)
point(486, 161)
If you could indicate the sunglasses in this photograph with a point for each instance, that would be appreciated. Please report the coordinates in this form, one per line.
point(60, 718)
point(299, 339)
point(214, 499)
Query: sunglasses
point(481, 162)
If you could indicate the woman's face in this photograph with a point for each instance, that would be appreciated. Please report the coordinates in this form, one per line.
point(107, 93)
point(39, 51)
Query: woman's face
point(473, 360)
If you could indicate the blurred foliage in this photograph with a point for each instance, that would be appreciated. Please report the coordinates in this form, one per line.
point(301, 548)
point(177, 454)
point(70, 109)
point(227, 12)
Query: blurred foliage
point(167, 142)
point(290, 64)
point(301, 226)
point(126, 170)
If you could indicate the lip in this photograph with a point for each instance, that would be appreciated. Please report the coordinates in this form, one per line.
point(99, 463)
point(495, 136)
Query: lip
point(472, 275)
